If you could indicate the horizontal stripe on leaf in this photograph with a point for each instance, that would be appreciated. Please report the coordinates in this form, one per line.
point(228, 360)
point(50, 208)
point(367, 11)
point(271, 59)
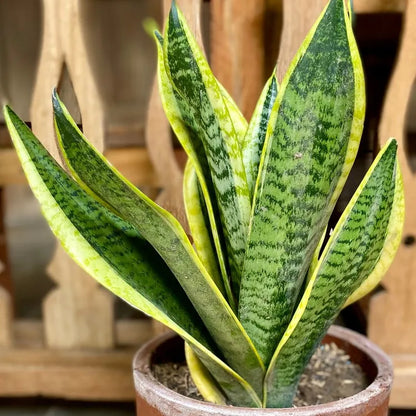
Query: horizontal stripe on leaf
point(252, 145)
point(183, 126)
point(167, 236)
point(312, 140)
point(350, 256)
point(194, 81)
point(128, 256)
point(115, 254)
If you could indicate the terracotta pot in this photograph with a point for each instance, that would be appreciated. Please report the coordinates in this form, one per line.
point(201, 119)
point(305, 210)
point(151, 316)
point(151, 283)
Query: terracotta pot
point(154, 399)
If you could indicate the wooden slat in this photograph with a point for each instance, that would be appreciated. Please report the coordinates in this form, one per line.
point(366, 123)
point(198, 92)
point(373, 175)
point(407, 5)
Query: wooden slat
point(75, 375)
point(237, 49)
point(6, 317)
point(393, 312)
point(404, 385)
point(30, 369)
point(28, 333)
point(379, 6)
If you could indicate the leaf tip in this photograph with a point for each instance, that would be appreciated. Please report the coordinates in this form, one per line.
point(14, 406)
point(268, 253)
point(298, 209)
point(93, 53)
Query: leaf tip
point(150, 26)
point(174, 14)
point(158, 36)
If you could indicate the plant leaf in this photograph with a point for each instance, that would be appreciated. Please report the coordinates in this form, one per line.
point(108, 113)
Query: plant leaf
point(178, 117)
point(391, 244)
point(350, 256)
point(315, 257)
point(193, 79)
point(312, 140)
point(199, 224)
point(239, 122)
point(116, 255)
point(256, 132)
point(167, 236)
point(202, 378)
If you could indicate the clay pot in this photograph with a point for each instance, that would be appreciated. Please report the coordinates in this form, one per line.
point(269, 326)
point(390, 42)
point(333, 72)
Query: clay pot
point(154, 399)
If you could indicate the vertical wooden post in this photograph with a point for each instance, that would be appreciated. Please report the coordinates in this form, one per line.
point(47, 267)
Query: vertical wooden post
point(393, 312)
point(6, 303)
point(77, 313)
point(237, 49)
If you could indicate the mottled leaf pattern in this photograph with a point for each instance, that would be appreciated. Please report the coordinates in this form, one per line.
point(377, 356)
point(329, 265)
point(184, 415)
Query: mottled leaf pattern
point(192, 78)
point(167, 236)
point(182, 125)
point(312, 142)
point(258, 198)
point(256, 134)
point(350, 256)
point(115, 254)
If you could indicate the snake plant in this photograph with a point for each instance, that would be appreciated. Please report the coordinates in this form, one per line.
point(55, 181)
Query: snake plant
point(255, 291)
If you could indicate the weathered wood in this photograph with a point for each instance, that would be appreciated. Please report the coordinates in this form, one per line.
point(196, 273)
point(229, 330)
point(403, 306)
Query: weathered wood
point(31, 369)
point(237, 49)
point(393, 312)
point(77, 313)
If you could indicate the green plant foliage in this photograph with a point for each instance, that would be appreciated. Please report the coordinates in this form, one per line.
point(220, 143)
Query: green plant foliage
point(257, 292)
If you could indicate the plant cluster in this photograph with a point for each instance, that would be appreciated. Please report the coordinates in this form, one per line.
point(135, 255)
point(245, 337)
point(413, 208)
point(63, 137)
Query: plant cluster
point(256, 291)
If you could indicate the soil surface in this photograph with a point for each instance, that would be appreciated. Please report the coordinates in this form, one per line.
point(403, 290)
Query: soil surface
point(329, 376)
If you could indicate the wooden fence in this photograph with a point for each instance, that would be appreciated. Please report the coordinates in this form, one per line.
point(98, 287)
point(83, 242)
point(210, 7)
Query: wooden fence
point(79, 350)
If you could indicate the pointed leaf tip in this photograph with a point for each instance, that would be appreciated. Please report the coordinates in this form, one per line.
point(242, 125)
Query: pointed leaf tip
point(174, 15)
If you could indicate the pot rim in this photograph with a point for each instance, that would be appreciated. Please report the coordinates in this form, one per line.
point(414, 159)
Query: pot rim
point(378, 391)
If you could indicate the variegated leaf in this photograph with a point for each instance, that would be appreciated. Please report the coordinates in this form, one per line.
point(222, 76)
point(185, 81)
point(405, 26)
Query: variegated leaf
point(313, 136)
point(256, 134)
point(116, 255)
point(196, 213)
point(202, 378)
point(167, 236)
point(352, 254)
point(178, 117)
point(193, 79)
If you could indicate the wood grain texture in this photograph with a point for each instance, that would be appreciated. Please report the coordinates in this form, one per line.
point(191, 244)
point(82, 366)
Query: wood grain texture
point(393, 312)
point(237, 49)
